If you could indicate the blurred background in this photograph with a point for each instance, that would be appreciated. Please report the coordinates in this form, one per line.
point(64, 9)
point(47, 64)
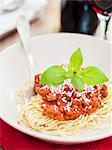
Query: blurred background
point(91, 17)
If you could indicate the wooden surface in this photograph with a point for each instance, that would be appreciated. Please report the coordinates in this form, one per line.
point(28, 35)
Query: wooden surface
point(48, 22)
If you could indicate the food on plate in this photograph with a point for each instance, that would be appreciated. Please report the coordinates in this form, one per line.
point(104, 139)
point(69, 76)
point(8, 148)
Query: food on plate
point(68, 98)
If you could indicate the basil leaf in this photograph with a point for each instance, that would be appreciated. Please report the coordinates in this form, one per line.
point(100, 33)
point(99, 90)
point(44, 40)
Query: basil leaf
point(77, 83)
point(54, 75)
point(93, 76)
point(76, 60)
point(69, 74)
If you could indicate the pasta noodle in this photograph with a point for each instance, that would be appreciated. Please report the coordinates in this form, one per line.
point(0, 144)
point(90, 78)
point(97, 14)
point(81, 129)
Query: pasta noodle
point(32, 117)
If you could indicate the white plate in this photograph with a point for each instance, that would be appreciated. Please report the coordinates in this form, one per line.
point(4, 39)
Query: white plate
point(48, 50)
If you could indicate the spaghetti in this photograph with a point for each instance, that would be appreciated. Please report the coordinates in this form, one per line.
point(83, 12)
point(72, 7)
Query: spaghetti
point(32, 117)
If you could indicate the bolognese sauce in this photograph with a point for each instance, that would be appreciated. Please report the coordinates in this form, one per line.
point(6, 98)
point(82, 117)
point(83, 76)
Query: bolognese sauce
point(66, 103)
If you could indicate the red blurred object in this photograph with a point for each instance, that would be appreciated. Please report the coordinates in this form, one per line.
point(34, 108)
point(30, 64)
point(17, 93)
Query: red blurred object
point(97, 11)
point(101, 6)
point(12, 139)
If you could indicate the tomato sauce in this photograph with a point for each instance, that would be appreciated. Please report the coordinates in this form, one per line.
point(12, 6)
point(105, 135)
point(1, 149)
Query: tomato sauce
point(66, 103)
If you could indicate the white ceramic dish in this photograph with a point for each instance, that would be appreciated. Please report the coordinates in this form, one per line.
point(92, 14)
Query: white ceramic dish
point(48, 50)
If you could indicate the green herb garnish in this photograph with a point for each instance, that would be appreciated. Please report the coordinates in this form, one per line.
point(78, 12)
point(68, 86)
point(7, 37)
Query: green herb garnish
point(91, 75)
point(54, 75)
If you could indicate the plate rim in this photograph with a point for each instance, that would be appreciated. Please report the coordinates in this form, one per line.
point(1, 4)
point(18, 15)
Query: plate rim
point(55, 34)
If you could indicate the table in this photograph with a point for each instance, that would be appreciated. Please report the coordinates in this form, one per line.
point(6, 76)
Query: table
point(11, 139)
point(49, 22)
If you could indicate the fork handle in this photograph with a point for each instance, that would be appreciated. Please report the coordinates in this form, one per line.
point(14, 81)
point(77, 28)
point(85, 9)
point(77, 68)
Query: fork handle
point(23, 29)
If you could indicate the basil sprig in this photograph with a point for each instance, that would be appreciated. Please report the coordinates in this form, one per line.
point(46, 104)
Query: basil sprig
point(91, 75)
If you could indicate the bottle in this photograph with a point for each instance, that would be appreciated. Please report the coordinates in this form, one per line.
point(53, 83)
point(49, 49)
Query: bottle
point(78, 17)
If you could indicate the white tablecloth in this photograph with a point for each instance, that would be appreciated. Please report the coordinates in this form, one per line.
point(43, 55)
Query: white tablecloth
point(31, 9)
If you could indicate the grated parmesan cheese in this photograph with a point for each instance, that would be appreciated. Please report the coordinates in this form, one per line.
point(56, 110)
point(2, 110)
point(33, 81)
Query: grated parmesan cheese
point(67, 108)
point(87, 100)
point(44, 105)
point(64, 99)
point(55, 107)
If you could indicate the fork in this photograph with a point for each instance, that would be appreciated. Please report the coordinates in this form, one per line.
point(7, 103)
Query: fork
point(23, 29)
